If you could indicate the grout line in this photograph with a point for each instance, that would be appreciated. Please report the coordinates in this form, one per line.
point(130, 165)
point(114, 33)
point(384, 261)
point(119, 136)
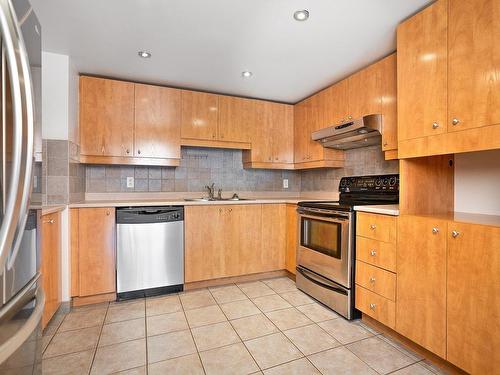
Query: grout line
point(192, 337)
point(98, 340)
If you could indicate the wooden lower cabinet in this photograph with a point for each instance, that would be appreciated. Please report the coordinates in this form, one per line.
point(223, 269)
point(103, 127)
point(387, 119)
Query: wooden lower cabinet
point(232, 240)
point(93, 251)
point(473, 290)
point(51, 264)
point(292, 229)
point(378, 307)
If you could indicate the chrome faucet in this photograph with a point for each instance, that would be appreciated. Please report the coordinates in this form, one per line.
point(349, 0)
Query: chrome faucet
point(211, 190)
point(219, 194)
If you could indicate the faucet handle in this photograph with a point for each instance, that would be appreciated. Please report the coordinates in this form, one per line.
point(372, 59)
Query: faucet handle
point(219, 193)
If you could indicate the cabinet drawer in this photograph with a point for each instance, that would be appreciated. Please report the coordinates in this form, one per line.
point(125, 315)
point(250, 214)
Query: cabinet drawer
point(376, 306)
point(377, 227)
point(376, 253)
point(376, 279)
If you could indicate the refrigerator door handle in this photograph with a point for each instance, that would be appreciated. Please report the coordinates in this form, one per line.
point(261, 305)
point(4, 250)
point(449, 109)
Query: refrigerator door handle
point(17, 200)
point(12, 344)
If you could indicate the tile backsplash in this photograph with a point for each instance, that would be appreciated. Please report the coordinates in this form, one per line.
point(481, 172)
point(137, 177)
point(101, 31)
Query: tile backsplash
point(199, 167)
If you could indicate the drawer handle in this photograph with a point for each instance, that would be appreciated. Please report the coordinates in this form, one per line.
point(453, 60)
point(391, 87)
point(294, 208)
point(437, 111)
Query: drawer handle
point(372, 306)
point(455, 121)
point(107, 213)
point(373, 227)
point(372, 280)
point(373, 253)
point(435, 125)
point(435, 230)
point(455, 234)
point(51, 221)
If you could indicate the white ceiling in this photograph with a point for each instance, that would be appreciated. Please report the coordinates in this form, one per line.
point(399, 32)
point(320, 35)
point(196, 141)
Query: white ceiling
point(205, 45)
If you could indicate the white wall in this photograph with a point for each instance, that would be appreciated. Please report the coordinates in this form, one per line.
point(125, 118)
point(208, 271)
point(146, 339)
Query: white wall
point(477, 182)
point(73, 115)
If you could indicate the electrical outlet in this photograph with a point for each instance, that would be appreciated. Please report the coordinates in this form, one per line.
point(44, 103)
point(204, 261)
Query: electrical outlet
point(285, 183)
point(130, 182)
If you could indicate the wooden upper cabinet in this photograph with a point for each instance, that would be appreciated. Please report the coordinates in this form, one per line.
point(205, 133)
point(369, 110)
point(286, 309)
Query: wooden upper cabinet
point(473, 287)
point(422, 73)
point(473, 64)
point(300, 132)
point(106, 117)
point(236, 118)
point(283, 133)
point(262, 142)
point(200, 112)
point(334, 104)
point(388, 93)
point(364, 94)
point(96, 255)
point(157, 122)
point(421, 282)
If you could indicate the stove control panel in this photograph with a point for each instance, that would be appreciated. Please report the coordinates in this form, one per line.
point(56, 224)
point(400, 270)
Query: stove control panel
point(388, 182)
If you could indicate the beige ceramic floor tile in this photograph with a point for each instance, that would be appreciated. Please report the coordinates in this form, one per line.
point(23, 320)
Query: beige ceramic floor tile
point(69, 364)
point(119, 357)
point(239, 309)
point(115, 333)
point(54, 324)
point(197, 299)
point(415, 356)
point(228, 360)
point(344, 331)
point(73, 341)
point(415, 369)
point(253, 326)
point(204, 316)
point(379, 355)
point(281, 285)
point(311, 339)
point(83, 319)
point(318, 313)
point(214, 336)
point(272, 350)
point(255, 289)
point(297, 298)
point(228, 293)
point(299, 367)
point(288, 318)
point(121, 311)
point(163, 305)
point(133, 371)
point(340, 361)
point(170, 345)
point(45, 342)
point(187, 365)
point(270, 303)
point(166, 323)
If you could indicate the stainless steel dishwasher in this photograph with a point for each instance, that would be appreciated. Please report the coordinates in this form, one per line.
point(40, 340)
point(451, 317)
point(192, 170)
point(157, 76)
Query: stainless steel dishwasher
point(150, 251)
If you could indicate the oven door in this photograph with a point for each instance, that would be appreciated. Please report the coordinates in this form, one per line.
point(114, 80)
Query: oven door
point(325, 246)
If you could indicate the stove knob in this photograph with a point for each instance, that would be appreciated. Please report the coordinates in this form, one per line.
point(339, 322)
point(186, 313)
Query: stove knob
point(343, 182)
point(349, 182)
point(392, 181)
point(386, 181)
point(378, 181)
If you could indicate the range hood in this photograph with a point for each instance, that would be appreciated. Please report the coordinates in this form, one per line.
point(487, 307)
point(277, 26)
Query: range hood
point(362, 132)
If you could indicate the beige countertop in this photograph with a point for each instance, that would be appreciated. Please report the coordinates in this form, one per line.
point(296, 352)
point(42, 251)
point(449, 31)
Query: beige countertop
point(51, 209)
point(384, 209)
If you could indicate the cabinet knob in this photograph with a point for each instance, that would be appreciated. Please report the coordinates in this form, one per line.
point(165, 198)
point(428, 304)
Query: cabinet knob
point(108, 213)
point(373, 253)
point(230, 210)
point(455, 233)
point(435, 125)
point(276, 159)
point(127, 151)
point(373, 227)
point(372, 306)
point(213, 136)
point(220, 210)
point(372, 280)
point(349, 117)
point(51, 221)
point(455, 121)
point(270, 158)
point(435, 230)
point(139, 152)
point(385, 144)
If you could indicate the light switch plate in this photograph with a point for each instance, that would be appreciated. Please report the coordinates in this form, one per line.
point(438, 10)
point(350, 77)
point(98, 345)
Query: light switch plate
point(130, 182)
point(285, 183)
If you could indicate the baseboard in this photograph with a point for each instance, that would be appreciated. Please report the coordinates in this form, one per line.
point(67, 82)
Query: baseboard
point(90, 300)
point(237, 279)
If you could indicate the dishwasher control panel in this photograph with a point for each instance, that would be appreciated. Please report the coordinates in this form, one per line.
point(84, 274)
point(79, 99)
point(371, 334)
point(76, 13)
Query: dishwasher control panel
point(138, 215)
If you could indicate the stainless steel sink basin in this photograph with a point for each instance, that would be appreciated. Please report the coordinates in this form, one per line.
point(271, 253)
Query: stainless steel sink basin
point(206, 199)
point(198, 199)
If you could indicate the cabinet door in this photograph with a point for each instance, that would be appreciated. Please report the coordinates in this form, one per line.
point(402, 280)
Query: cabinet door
point(334, 104)
point(473, 63)
point(51, 265)
point(199, 115)
point(96, 240)
point(291, 237)
point(388, 87)
point(421, 282)
point(262, 142)
point(422, 73)
point(314, 122)
point(273, 237)
point(106, 117)
point(364, 96)
point(236, 118)
point(282, 133)
point(157, 122)
point(473, 287)
point(300, 132)
point(204, 243)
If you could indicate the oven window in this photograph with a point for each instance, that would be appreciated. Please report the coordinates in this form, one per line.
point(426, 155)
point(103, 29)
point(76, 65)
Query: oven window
point(321, 236)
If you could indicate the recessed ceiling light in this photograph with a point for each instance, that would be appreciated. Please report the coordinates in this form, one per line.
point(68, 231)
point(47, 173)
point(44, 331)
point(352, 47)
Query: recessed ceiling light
point(144, 54)
point(301, 15)
point(246, 74)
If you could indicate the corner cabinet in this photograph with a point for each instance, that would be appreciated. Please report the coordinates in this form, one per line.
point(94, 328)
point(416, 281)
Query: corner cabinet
point(449, 79)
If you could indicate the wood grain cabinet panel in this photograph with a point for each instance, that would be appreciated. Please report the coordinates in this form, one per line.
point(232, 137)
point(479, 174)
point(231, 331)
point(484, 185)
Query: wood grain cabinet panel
point(300, 130)
point(364, 94)
point(245, 222)
point(200, 114)
point(157, 122)
point(388, 87)
point(376, 306)
point(377, 227)
point(236, 118)
point(282, 133)
point(473, 308)
point(106, 117)
point(292, 228)
point(421, 282)
point(274, 232)
point(376, 280)
point(51, 264)
point(96, 255)
point(473, 64)
point(376, 253)
point(335, 104)
point(422, 73)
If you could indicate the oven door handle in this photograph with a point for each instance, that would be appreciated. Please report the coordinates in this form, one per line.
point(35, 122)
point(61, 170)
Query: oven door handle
point(324, 218)
point(314, 279)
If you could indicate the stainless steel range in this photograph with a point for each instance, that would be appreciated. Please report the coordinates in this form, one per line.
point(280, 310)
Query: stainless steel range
point(326, 249)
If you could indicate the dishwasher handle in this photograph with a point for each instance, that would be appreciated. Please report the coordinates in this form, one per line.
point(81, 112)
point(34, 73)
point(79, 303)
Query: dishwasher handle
point(147, 215)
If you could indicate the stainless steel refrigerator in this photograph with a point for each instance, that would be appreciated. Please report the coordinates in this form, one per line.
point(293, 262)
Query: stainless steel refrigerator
point(21, 295)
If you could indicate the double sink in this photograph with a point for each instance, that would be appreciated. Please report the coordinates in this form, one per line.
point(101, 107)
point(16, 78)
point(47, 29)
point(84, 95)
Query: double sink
point(207, 199)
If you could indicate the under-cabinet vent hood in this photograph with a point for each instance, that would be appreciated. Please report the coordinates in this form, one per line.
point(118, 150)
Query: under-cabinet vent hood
point(362, 132)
